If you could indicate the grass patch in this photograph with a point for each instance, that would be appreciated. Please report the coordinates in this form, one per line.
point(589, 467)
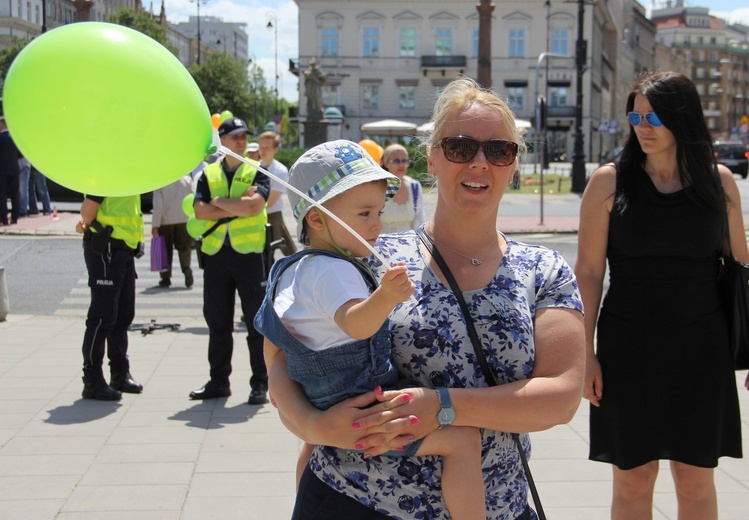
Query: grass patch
point(554, 184)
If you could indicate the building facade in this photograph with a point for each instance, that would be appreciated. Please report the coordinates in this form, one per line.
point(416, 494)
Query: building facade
point(718, 54)
point(217, 35)
point(390, 59)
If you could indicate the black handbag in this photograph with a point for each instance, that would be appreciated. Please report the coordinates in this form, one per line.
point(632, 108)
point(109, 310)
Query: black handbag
point(488, 374)
point(733, 285)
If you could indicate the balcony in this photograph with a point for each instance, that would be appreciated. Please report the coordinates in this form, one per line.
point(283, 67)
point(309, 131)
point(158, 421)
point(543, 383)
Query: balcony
point(560, 111)
point(443, 63)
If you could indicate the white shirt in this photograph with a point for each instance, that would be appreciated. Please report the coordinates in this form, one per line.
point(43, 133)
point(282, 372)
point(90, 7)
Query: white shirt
point(280, 171)
point(309, 293)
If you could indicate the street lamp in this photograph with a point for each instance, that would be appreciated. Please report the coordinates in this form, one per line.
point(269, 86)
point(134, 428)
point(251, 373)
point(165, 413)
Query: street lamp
point(578, 156)
point(197, 2)
point(273, 24)
point(44, 16)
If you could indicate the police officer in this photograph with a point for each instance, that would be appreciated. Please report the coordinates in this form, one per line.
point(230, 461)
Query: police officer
point(230, 197)
point(112, 230)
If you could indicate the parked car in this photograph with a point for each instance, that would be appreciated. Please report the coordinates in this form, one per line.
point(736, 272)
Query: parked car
point(733, 155)
point(59, 193)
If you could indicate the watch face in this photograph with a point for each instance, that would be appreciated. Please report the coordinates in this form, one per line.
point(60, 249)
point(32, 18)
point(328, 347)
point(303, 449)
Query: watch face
point(446, 416)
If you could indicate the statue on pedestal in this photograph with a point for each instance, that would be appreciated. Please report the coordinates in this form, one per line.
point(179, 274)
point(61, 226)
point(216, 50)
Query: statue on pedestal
point(314, 79)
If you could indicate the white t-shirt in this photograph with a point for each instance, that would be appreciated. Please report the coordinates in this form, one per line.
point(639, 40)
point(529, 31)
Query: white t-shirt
point(309, 293)
point(280, 171)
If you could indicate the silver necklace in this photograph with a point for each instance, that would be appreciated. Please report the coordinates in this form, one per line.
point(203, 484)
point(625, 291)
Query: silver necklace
point(474, 261)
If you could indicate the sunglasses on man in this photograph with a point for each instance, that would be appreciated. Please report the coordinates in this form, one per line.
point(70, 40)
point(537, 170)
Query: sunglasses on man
point(651, 117)
point(462, 149)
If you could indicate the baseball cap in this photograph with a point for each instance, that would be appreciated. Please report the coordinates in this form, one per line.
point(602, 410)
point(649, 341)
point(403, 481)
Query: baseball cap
point(232, 126)
point(329, 169)
point(253, 147)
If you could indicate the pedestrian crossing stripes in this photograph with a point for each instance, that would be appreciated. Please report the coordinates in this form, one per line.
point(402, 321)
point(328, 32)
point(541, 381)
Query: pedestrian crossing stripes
point(152, 302)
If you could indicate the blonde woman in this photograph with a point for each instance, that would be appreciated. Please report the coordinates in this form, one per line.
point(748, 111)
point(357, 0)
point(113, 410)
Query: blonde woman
point(406, 209)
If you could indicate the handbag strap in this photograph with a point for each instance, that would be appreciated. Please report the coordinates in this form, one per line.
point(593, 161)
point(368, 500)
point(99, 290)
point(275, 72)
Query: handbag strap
point(488, 374)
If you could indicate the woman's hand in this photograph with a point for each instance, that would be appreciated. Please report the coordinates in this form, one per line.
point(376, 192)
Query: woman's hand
point(373, 413)
point(401, 417)
point(593, 389)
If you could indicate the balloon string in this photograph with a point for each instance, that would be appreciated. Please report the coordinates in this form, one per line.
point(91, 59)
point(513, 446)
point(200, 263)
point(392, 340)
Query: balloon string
point(226, 151)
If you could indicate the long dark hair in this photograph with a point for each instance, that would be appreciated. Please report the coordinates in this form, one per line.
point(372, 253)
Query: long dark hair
point(675, 99)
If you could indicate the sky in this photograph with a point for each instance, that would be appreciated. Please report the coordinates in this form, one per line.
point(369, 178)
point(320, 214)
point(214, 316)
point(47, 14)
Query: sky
point(261, 39)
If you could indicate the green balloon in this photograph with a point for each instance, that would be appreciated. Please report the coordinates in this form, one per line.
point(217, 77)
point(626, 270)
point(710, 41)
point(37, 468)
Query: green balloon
point(196, 227)
point(226, 114)
point(105, 110)
point(187, 205)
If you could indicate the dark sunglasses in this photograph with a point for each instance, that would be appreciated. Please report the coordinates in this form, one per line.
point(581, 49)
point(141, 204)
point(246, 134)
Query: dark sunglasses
point(651, 117)
point(400, 161)
point(461, 149)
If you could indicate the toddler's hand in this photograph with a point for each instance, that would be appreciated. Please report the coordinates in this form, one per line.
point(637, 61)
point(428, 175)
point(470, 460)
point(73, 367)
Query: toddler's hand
point(396, 283)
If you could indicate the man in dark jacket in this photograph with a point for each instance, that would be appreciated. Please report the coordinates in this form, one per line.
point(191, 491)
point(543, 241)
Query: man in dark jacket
point(9, 172)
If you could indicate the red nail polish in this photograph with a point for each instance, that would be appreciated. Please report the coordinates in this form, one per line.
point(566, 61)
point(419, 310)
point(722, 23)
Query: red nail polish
point(356, 425)
point(406, 398)
point(359, 446)
point(399, 448)
point(378, 390)
point(414, 420)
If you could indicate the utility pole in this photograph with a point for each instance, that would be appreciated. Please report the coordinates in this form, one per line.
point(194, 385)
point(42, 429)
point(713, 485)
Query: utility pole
point(578, 156)
point(485, 9)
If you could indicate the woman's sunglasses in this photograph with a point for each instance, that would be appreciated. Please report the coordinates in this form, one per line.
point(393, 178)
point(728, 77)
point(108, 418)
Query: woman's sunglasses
point(461, 149)
point(400, 161)
point(651, 117)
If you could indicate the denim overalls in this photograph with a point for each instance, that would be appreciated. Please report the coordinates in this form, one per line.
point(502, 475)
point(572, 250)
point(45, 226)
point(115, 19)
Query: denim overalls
point(331, 375)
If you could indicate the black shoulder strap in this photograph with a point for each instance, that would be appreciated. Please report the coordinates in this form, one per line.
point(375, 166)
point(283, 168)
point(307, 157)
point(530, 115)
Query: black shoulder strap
point(488, 374)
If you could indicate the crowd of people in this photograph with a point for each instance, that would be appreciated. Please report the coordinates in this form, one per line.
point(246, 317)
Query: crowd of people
point(406, 397)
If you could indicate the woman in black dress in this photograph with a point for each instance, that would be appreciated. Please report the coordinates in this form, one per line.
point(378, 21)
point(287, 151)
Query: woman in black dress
point(661, 383)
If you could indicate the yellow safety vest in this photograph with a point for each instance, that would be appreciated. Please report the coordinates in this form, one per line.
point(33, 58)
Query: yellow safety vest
point(246, 234)
point(123, 214)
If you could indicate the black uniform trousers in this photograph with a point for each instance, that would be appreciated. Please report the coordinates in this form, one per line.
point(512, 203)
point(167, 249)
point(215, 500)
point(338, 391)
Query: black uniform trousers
point(226, 273)
point(112, 283)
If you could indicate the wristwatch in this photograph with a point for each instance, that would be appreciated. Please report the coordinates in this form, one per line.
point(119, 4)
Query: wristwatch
point(446, 415)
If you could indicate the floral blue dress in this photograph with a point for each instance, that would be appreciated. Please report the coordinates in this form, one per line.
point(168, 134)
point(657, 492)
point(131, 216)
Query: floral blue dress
point(431, 348)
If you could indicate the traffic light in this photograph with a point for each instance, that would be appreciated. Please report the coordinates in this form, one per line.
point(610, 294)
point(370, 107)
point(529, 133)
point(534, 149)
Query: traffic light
point(582, 52)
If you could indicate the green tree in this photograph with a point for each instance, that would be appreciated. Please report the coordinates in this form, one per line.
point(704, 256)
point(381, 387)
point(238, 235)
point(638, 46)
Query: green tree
point(140, 21)
point(7, 56)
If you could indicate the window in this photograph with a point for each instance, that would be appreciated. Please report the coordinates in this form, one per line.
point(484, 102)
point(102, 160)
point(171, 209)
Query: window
point(559, 41)
point(407, 96)
point(700, 72)
point(517, 41)
point(443, 41)
point(515, 97)
point(371, 42)
point(713, 56)
point(557, 96)
point(28, 11)
point(475, 43)
point(330, 41)
point(408, 42)
point(370, 95)
point(330, 95)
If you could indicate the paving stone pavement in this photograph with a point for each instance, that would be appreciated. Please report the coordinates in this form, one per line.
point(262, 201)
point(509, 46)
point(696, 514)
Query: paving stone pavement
point(158, 455)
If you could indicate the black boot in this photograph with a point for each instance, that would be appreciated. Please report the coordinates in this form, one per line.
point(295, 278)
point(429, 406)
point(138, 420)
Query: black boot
point(125, 383)
point(99, 390)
